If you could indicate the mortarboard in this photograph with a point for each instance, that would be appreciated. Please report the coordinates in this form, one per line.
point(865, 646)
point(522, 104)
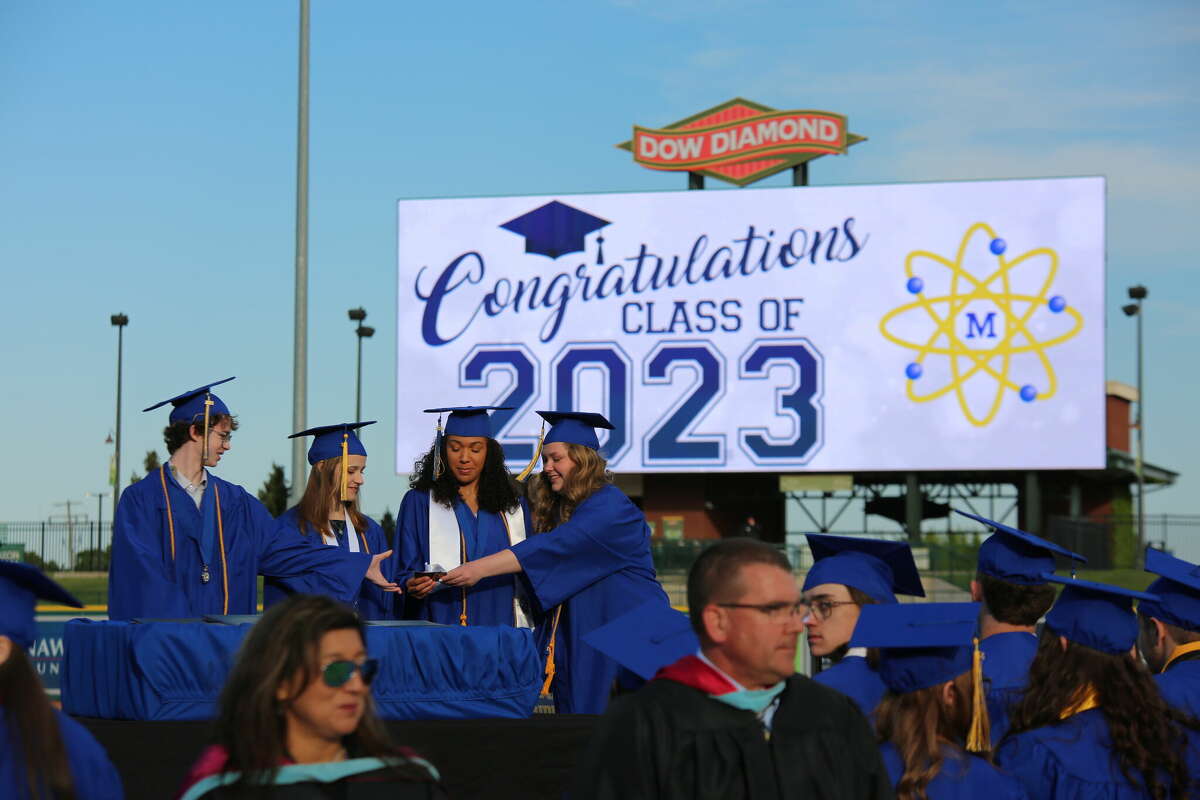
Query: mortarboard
point(467, 420)
point(1095, 615)
point(554, 229)
point(20, 587)
point(189, 405)
point(1016, 556)
point(574, 427)
point(1178, 590)
point(334, 441)
point(926, 644)
point(880, 568)
point(328, 440)
point(646, 639)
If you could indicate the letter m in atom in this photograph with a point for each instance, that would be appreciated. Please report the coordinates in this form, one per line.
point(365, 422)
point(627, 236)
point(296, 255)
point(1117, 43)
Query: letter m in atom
point(985, 329)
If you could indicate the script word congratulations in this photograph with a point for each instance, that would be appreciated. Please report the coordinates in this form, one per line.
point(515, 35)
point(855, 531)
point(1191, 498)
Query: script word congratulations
point(464, 285)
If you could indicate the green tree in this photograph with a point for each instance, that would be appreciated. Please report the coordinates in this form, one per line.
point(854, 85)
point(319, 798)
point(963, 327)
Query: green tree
point(151, 462)
point(388, 523)
point(274, 492)
point(134, 478)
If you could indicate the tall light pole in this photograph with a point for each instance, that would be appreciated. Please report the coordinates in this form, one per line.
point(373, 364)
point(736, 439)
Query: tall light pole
point(361, 332)
point(119, 321)
point(1138, 293)
point(300, 341)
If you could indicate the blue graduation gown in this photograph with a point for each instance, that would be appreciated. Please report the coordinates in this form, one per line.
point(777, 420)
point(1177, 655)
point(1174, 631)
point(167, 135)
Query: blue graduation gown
point(94, 776)
point(853, 677)
point(372, 602)
point(144, 580)
point(1006, 660)
point(962, 776)
point(1180, 686)
point(489, 602)
point(1073, 760)
point(596, 566)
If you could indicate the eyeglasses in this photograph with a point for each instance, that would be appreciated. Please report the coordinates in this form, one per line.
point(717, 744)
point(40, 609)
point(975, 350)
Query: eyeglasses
point(824, 608)
point(776, 612)
point(339, 672)
point(225, 438)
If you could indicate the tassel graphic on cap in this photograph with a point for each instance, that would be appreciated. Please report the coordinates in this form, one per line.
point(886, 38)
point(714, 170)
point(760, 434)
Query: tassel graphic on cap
point(980, 736)
point(537, 453)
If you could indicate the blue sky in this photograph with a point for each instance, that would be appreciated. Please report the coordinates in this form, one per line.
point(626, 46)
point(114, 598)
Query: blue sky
point(147, 157)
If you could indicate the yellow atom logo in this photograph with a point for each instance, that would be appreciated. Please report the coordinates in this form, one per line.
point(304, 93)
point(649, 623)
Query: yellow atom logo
point(989, 333)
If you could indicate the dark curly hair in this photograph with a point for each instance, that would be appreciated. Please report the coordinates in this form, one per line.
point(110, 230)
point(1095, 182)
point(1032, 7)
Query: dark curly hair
point(1149, 738)
point(498, 491)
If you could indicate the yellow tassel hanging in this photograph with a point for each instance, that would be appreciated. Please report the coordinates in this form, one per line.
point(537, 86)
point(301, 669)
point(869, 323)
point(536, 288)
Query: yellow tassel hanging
point(346, 467)
point(537, 454)
point(207, 404)
point(979, 739)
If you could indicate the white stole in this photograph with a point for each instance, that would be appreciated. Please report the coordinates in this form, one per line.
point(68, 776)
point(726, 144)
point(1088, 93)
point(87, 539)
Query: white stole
point(351, 535)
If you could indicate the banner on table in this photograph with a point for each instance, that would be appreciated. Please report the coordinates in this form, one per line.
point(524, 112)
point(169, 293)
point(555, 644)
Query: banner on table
point(849, 329)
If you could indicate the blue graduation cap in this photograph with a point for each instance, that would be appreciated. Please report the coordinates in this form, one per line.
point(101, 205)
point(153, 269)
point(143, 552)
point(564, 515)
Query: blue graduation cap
point(467, 420)
point(574, 427)
point(20, 587)
point(1096, 615)
point(880, 568)
point(1018, 557)
point(190, 405)
point(554, 229)
point(1178, 590)
point(920, 644)
point(328, 440)
point(646, 639)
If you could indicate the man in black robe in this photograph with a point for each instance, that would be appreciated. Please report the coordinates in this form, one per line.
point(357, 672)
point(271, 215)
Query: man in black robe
point(734, 721)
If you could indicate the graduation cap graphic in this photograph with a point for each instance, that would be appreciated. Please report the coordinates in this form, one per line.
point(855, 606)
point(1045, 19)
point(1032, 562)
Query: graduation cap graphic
point(554, 229)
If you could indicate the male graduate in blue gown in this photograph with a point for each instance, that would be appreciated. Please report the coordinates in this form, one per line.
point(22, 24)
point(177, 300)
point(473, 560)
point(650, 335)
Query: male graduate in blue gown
point(187, 544)
point(1011, 585)
point(463, 505)
point(849, 572)
point(328, 513)
point(64, 757)
point(584, 571)
point(1169, 630)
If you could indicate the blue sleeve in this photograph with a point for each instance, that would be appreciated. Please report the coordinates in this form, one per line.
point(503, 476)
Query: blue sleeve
point(1030, 764)
point(94, 775)
point(141, 577)
point(412, 534)
point(602, 537)
point(321, 570)
point(374, 602)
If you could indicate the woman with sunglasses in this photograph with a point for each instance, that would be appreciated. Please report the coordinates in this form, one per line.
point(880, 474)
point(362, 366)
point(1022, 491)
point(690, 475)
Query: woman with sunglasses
point(299, 694)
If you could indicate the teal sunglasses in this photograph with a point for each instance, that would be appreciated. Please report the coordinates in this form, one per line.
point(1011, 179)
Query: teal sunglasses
point(339, 672)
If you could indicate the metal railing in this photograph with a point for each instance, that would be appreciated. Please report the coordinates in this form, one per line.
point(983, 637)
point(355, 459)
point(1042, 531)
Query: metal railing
point(59, 546)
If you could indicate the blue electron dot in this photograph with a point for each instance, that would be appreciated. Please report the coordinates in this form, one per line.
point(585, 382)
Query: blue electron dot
point(998, 246)
point(1028, 393)
point(913, 370)
point(1058, 303)
point(915, 285)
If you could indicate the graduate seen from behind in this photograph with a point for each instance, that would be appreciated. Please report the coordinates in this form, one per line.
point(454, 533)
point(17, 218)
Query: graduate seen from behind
point(734, 721)
point(1169, 629)
point(463, 505)
point(44, 754)
point(588, 563)
point(187, 544)
point(933, 721)
point(297, 711)
point(849, 573)
point(1010, 583)
point(328, 513)
point(1091, 722)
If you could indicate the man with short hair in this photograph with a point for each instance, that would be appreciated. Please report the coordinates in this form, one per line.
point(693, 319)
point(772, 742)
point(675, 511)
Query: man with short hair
point(187, 544)
point(734, 720)
point(1011, 583)
point(1169, 630)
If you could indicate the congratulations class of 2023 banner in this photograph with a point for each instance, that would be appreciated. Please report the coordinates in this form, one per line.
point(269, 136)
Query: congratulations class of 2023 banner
point(827, 329)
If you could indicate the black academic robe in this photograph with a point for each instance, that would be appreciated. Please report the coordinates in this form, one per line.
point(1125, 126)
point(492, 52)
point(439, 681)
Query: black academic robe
point(671, 741)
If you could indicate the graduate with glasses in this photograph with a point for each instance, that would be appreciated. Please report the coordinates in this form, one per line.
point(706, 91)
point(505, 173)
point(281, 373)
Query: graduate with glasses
point(296, 713)
point(188, 544)
point(849, 573)
point(328, 513)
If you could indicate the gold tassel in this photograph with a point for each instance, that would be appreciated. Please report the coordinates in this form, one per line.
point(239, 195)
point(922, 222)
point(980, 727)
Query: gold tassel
point(537, 453)
point(438, 466)
point(207, 404)
point(979, 740)
point(345, 466)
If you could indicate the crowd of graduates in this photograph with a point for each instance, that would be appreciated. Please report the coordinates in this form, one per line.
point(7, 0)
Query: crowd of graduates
point(918, 700)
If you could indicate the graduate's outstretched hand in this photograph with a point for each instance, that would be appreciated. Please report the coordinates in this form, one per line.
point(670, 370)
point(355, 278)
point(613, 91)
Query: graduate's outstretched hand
point(467, 575)
point(375, 574)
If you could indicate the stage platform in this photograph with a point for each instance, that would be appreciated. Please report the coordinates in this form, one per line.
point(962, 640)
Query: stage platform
point(493, 758)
